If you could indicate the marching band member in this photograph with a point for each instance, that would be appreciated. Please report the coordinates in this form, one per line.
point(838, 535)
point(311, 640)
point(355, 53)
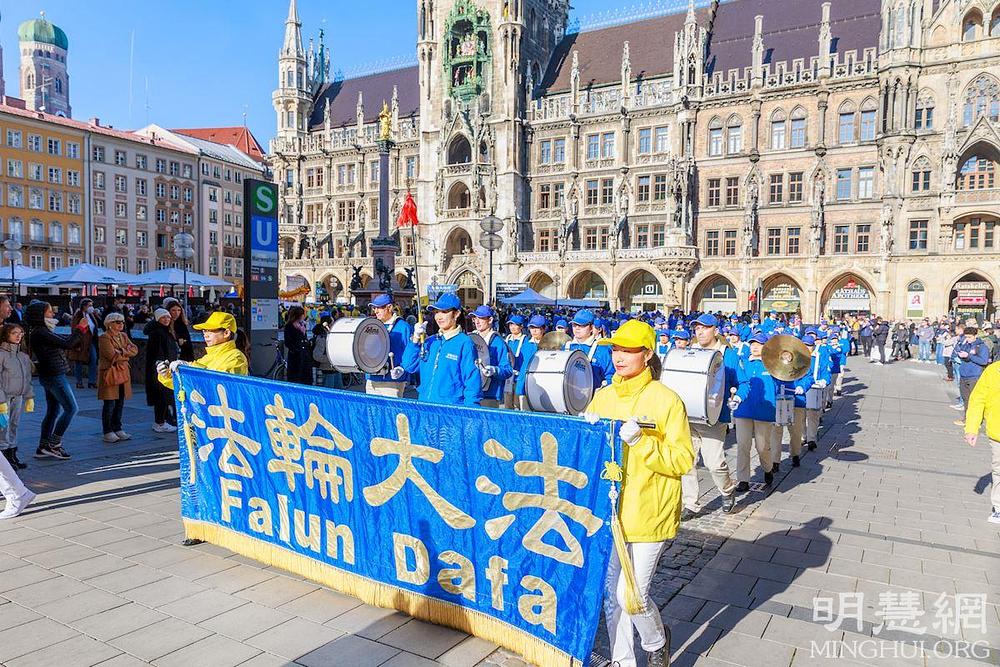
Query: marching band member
point(806, 419)
point(664, 344)
point(500, 367)
point(710, 440)
point(561, 325)
point(536, 329)
point(515, 343)
point(655, 456)
point(681, 339)
point(839, 348)
point(585, 341)
point(753, 409)
point(393, 383)
point(447, 360)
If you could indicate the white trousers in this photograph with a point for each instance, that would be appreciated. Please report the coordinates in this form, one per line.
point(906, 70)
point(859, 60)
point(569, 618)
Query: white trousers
point(11, 486)
point(758, 434)
point(710, 441)
point(838, 381)
point(621, 625)
point(390, 389)
point(995, 494)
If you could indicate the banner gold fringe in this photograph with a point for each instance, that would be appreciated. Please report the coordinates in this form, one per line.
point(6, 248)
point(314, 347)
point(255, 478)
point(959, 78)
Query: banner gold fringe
point(380, 594)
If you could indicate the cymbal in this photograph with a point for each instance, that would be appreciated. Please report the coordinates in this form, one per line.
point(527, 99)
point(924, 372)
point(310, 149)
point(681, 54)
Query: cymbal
point(553, 340)
point(786, 357)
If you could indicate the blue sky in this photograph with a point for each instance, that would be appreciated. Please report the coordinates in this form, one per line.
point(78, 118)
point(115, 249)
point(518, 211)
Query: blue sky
point(206, 62)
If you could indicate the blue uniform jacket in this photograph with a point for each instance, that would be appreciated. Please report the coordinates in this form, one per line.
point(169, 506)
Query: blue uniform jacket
point(756, 391)
point(768, 325)
point(400, 333)
point(499, 359)
point(600, 365)
point(448, 371)
point(836, 354)
point(979, 358)
point(528, 351)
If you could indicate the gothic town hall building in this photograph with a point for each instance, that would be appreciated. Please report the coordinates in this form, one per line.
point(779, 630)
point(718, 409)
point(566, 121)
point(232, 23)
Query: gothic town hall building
point(794, 155)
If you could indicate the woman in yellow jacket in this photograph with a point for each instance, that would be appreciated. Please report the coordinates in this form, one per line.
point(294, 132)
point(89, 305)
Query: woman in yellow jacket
point(984, 405)
point(657, 451)
point(224, 345)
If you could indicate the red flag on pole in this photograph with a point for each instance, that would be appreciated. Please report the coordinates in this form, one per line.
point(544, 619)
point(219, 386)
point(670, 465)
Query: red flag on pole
point(408, 214)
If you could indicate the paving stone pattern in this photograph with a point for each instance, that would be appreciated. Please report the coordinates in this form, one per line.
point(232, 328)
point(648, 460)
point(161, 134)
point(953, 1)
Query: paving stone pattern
point(891, 502)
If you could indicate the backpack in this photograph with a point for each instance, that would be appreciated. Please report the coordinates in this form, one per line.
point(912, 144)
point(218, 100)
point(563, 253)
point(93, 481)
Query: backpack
point(319, 350)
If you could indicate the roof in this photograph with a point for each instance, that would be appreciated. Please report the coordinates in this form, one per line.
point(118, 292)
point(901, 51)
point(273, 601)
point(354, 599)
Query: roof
point(651, 51)
point(791, 30)
point(239, 136)
point(223, 152)
point(93, 127)
point(375, 88)
point(40, 30)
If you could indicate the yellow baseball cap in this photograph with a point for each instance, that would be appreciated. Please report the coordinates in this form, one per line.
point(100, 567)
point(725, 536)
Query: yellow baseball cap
point(632, 334)
point(218, 320)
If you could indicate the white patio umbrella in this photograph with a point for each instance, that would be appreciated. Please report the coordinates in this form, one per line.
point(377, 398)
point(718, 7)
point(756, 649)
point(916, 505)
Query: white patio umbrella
point(171, 276)
point(22, 274)
point(84, 274)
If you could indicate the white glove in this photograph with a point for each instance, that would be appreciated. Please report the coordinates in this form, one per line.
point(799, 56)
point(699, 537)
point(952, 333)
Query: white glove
point(630, 432)
point(820, 383)
point(419, 329)
point(397, 372)
point(162, 368)
point(799, 391)
point(590, 417)
point(174, 365)
point(734, 402)
point(489, 371)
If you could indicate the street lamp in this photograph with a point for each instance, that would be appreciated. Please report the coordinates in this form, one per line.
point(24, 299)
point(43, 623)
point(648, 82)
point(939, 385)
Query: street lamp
point(490, 240)
point(184, 250)
point(12, 253)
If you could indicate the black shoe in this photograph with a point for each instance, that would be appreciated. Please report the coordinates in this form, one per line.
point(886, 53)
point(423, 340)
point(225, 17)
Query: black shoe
point(9, 455)
point(16, 462)
point(43, 451)
point(768, 478)
point(742, 487)
point(58, 452)
point(687, 515)
point(729, 503)
point(190, 542)
point(660, 658)
point(838, 393)
point(775, 467)
point(795, 462)
point(811, 445)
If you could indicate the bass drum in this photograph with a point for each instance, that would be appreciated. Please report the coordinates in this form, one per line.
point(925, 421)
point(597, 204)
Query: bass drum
point(699, 378)
point(483, 352)
point(559, 381)
point(358, 345)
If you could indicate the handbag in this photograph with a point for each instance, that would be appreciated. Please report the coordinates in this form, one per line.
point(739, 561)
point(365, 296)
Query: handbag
point(117, 374)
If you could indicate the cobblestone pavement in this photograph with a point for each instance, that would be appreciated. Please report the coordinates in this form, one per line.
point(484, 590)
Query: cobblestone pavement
point(892, 504)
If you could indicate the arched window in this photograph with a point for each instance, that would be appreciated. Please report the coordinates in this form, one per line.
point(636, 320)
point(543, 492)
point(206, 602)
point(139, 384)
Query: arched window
point(55, 232)
point(74, 234)
point(459, 197)
point(869, 111)
point(797, 136)
point(982, 98)
point(995, 23)
point(977, 173)
point(923, 118)
point(921, 175)
point(847, 126)
point(459, 151)
point(716, 140)
point(734, 135)
point(972, 25)
point(779, 138)
point(29, 81)
point(58, 85)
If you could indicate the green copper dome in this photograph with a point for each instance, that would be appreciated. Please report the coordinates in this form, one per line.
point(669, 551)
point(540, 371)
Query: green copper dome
point(40, 30)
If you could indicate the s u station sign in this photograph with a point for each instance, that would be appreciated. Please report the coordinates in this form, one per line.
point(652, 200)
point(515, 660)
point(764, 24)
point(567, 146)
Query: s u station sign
point(260, 261)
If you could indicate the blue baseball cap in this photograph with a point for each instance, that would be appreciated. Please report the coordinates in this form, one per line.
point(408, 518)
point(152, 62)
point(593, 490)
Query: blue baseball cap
point(538, 321)
point(599, 323)
point(561, 323)
point(707, 320)
point(809, 340)
point(660, 320)
point(447, 301)
point(682, 334)
point(759, 338)
point(483, 311)
point(516, 319)
point(381, 301)
point(583, 317)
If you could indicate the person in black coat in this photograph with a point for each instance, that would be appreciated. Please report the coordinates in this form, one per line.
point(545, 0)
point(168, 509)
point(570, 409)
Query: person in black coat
point(880, 334)
point(160, 346)
point(180, 327)
point(49, 350)
point(297, 345)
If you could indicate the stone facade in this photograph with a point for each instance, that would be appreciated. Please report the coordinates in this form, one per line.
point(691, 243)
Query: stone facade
point(790, 154)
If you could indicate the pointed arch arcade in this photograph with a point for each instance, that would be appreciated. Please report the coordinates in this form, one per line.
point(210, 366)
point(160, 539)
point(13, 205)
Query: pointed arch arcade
point(847, 294)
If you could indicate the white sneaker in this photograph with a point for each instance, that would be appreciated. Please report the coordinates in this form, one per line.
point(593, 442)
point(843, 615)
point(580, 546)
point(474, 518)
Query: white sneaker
point(160, 428)
point(122, 435)
point(15, 507)
point(111, 437)
point(994, 516)
point(169, 428)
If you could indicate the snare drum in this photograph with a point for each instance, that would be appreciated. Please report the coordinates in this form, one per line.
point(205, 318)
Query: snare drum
point(814, 398)
point(483, 353)
point(358, 345)
point(699, 378)
point(559, 381)
point(784, 411)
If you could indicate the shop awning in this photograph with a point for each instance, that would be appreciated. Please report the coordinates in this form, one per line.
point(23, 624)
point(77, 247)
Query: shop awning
point(849, 305)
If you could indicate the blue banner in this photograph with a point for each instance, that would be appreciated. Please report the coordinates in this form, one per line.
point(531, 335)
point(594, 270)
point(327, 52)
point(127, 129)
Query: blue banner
point(491, 521)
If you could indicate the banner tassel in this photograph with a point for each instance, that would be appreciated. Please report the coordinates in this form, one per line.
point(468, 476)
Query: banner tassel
point(634, 602)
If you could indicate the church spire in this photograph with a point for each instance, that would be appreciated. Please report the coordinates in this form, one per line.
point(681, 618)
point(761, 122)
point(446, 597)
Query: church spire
point(293, 33)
